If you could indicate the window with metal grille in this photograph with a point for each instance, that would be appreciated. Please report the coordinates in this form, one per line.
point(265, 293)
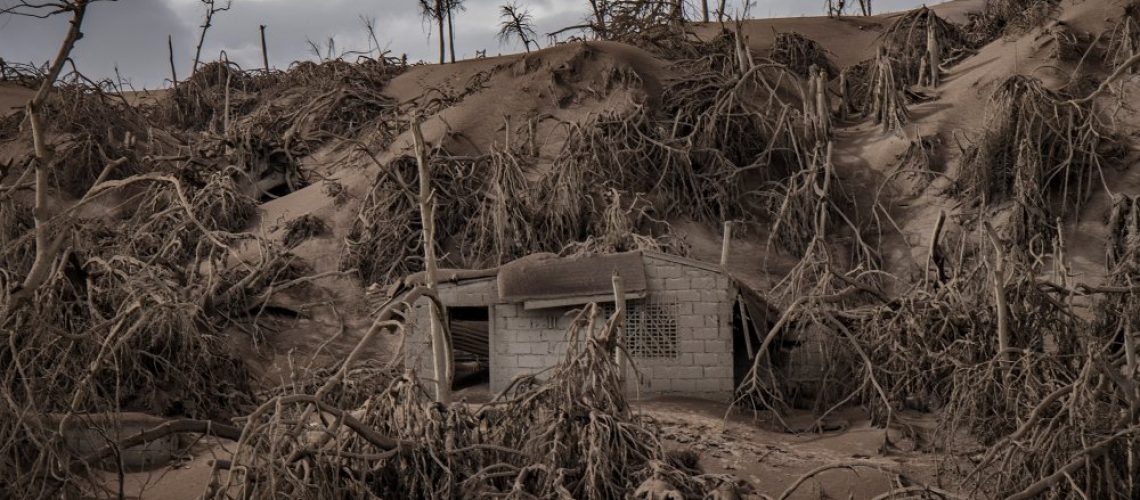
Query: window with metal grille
point(650, 329)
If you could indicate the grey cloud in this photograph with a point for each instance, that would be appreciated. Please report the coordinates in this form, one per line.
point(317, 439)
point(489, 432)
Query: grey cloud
point(131, 34)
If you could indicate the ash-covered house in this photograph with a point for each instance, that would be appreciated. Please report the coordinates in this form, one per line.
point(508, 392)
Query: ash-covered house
point(683, 328)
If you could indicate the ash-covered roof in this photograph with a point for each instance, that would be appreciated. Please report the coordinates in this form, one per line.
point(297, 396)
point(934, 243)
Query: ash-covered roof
point(557, 278)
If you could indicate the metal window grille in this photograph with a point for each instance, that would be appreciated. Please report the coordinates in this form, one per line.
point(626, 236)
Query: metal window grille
point(650, 329)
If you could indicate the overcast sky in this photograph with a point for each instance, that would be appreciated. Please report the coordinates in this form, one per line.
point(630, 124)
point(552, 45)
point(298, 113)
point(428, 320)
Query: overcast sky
point(131, 34)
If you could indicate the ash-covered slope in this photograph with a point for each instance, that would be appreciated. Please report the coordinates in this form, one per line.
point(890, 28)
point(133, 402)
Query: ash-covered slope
point(943, 202)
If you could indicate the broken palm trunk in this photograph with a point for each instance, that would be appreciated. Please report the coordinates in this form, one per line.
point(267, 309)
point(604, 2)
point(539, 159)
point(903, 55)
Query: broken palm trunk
point(888, 100)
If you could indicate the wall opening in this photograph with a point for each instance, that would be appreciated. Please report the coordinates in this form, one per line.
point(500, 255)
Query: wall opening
point(747, 335)
point(470, 337)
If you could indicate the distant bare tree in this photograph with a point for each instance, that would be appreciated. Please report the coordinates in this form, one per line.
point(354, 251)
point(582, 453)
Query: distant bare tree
point(452, 6)
point(599, 8)
point(516, 22)
point(212, 7)
point(837, 7)
point(436, 10)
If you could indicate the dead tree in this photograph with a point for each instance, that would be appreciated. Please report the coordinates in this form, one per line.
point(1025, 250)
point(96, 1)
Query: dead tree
point(452, 6)
point(46, 246)
point(516, 22)
point(436, 10)
point(888, 99)
point(173, 71)
point(835, 8)
point(264, 51)
point(440, 341)
point(211, 9)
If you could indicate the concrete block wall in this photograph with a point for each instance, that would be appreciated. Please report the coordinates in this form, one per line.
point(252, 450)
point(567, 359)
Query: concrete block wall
point(703, 298)
point(524, 342)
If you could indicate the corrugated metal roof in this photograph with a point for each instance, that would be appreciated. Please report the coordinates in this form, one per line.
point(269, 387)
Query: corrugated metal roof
point(556, 278)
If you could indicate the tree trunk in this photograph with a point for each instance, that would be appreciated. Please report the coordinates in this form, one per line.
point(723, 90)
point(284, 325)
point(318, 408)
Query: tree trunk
point(450, 34)
point(264, 51)
point(934, 52)
point(619, 324)
point(173, 72)
point(599, 7)
point(202, 37)
point(1000, 301)
point(705, 10)
point(439, 21)
point(440, 343)
point(725, 244)
point(45, 247)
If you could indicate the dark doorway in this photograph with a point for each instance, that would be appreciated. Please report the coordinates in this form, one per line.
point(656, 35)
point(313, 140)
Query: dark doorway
point(470, 336)
point(745, 342)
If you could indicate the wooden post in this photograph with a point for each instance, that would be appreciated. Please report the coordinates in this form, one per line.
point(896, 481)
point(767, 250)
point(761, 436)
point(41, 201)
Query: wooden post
point(619, 323)
point(932, 253)
point(725, 244)
point(999, 293)
point(810, 115)
point(226, 110)
point(173, 72)
point(844, 105)
point(264, 51)
point(440, 345)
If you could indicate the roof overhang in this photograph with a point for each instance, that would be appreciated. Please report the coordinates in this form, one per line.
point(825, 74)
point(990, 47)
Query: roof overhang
point(548, 283)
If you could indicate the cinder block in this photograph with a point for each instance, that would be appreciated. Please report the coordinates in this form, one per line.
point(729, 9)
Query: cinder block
point(531, 361)
point(703, 283)
point(706, 308)
point(507, 361)
point(690, 321)
point(692, 346)
point(687, 296)
point(722, 372)
point(684, 307)
point(687, 372)
point(718, 346)
point(518, 348)
point(705, 333)
point(664, 271)
point(518, 323)
point(677, 284)
point(706, 359)
point(713, 321)
point(714, 295)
